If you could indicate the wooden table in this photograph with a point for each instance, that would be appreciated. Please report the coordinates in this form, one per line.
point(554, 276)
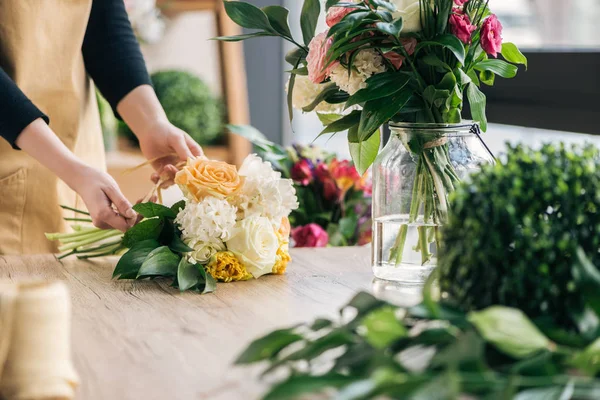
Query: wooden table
point(145, 340)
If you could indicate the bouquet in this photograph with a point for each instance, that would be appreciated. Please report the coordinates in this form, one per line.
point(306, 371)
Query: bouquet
point(335, 200)
point(381, 61)
point(232, 226)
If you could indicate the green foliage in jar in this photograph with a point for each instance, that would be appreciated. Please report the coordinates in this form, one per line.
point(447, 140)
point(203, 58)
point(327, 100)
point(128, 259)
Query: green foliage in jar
point(526, 234)
point(190, 105)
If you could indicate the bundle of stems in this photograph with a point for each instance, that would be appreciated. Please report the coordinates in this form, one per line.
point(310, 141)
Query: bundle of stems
point(87, 241)
point(435, 178)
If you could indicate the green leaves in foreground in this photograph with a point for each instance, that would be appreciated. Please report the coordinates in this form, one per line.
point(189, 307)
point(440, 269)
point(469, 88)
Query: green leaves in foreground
point(390, 352)
point(157, 251)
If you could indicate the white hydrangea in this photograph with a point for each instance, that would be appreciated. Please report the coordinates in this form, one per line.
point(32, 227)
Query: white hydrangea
point(209, 221)
point(264, 193)
point(306, 91)
point(366, 64)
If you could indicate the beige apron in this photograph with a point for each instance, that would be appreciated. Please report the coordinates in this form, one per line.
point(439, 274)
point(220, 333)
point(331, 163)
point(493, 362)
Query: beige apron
point(40, 48)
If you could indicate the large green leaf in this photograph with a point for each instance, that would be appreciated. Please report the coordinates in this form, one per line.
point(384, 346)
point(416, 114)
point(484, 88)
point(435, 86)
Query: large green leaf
point(391, 28)
point(267, 347)
point(383, 328)
point(377, 112)
point(278, 18)
point(327, 89)
point(477, 100)
point(246, 15)
point(343, 123)
point(130, 263)
point(160, 262)
point(449, 42)
point(177, 207)
point(145, 230)
point(189, 275)
point(151, 210)
point(238, 38)
point(378, 86)
point(297, 385)
point(509, 330)
point(511, 53)
point(498, 67)
point(296, 56)
point(309, 18)
point(363, 152)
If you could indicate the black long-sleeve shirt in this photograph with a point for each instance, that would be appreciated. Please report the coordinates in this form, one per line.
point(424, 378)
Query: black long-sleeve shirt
point(112, 58)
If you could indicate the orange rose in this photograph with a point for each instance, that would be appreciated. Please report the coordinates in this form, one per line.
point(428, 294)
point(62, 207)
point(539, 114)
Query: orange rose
point(202, 177)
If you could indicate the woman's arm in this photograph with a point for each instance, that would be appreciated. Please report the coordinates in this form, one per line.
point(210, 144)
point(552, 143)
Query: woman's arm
point(114, 61)
point(97, 189)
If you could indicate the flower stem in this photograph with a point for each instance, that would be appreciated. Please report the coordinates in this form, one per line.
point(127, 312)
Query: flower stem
point(74, 210)
point(78, 219)
point(91, 239)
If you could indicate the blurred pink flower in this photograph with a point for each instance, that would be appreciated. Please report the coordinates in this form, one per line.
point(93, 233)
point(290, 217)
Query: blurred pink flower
point(311, 235)
point(461, 27)
point(396, 58)
point(318, 70)
point(330, 188)
point(491, 36)
point(344, 173)
point(460, 2)
point(336, 14)
point(301, 172)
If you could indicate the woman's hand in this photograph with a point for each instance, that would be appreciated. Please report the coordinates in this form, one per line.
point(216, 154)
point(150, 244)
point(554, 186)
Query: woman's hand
point(159, 139)
point(97, 189)
point(100, 193)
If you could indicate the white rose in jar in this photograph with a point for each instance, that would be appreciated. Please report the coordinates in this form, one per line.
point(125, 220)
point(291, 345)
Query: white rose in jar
point(409, 10)
point(255, 244)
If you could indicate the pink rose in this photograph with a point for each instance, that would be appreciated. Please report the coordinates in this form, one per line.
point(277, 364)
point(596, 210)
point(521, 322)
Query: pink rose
point(460, 2)
point(301, 172)
point(491, 36)
point(461, 27)
point(397, 59)
point(311, 235)
point(318, 70)
point(336, 14)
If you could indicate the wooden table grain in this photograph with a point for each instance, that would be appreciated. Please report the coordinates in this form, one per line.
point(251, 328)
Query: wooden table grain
point(145, 340)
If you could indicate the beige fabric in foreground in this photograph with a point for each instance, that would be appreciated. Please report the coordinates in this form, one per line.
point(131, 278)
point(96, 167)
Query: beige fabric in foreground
point(35, 342)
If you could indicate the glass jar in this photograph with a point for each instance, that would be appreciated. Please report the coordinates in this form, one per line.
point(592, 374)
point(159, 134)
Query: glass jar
point(412, 178)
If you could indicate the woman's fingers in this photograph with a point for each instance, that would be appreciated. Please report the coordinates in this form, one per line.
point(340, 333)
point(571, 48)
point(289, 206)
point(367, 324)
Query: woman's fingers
point(179, 144)
point(124, 208)
point(193, 146)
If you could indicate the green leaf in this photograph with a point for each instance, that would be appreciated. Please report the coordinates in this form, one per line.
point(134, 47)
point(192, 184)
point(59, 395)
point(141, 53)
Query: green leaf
point(342, 124)
point(390, 28)
point(269, 346)
point(378, 86)
point(178, 246)
point(328, 89)
point(377, 112)
point(487, 77)
point(467, 348)
point(364, 152)
point(238, 38)
point(315, 348)
point(588, 360)
point(151, 210)
point(588, 278)
point(130, 263)
point(385, 4)
point(252, 134)
point(177, 207)
point(296, 56)
point(331, 3)
point(278, 18)
point(477, 101)
point(210, 285)
point(160, 262)
point(246, 15)
point(309, 18)
point(498, 67)
point(511, 53)
point(383, 327)
point(364, 303)
point(549, 393)
point(321, 323)
point(509, 330)
point(434, 61)
point(329, 118)
point(290, 94)
point(449, 42)
point(145, 230)
point(348, 226)
point(445, 386)
point(188, 275)
point(297, 385)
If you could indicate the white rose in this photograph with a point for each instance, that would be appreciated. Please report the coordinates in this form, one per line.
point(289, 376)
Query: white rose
point(203, 251)
point(255, 243)
point(409, 10)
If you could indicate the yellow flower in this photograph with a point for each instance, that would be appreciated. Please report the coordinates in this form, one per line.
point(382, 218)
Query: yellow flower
point(225, 267)
point(202, 177)
point(283, 255)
